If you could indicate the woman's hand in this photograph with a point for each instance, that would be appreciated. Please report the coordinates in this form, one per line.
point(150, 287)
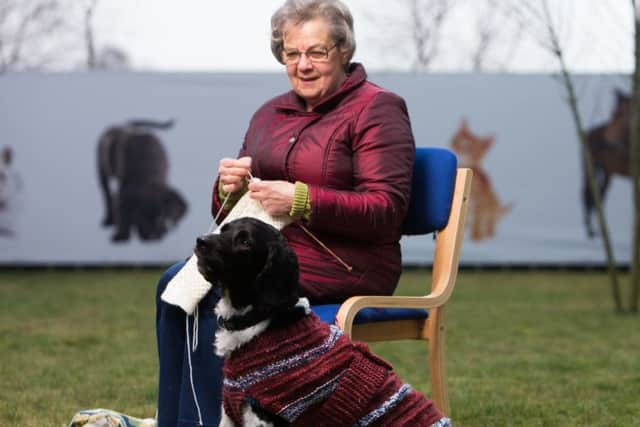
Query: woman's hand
point(276, 196)
point(232, 173)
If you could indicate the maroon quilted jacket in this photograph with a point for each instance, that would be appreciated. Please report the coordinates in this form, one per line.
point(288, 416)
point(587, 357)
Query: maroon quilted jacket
point(355, 151)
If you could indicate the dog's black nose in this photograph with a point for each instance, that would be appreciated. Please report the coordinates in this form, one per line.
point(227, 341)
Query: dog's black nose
point(201, 243)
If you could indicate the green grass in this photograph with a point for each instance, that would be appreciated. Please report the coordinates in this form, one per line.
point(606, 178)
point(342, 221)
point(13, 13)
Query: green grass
point(523, 349)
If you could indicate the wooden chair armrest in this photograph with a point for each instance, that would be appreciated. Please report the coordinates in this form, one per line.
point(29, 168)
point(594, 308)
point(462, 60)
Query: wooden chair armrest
point(350, 308)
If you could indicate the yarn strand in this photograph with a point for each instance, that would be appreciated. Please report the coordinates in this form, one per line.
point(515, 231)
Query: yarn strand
point(193, 388)
point(326, 248)
point(305, 229)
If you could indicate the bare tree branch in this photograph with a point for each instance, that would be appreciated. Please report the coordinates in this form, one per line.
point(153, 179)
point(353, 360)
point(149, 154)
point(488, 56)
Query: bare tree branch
point(89, 33)
point(428, 17)
point(24, 24)
point(508, 24)
point(635, 166)
point(487, 32)
point(37, 34)
point(550, 39)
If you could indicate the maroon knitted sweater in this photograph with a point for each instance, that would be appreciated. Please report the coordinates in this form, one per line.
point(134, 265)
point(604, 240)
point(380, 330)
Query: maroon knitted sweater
point(309, 373)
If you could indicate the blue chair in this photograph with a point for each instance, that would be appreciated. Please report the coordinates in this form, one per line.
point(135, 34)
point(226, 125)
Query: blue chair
point(438, 204)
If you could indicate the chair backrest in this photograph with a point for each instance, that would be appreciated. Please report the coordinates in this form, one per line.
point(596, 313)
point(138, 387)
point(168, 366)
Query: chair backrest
point(434, 177)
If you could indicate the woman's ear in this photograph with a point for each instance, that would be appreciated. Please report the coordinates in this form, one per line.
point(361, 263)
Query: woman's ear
point(277, 284)
point(344, 59)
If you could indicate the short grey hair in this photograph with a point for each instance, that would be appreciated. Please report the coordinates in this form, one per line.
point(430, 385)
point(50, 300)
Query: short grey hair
point(296, 12)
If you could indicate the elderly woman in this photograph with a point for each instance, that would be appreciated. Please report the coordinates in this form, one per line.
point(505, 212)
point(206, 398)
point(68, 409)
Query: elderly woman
point(336, 154)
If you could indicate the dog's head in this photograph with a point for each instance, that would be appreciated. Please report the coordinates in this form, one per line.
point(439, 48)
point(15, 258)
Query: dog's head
point(253, 264)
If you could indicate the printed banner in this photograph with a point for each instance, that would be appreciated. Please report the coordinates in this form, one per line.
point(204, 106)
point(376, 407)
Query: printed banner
point(117, 168)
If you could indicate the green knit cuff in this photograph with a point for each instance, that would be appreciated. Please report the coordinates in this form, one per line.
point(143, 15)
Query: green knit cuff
point(301, 206)
point(233, 197)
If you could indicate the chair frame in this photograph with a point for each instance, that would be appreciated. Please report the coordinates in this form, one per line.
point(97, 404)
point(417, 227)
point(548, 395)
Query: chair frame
point(443, 278)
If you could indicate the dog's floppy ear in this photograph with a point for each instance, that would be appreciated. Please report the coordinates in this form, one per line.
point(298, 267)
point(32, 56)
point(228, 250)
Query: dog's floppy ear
point(277, 284)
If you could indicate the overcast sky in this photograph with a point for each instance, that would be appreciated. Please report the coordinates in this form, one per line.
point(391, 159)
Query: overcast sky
point(214, 35)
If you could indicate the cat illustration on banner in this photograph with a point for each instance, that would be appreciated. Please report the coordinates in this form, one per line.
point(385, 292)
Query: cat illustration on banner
point(485, 208)
point(610, 149)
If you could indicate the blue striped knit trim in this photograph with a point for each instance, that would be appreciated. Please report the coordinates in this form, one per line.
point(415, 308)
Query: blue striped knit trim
point(294, 409)
point(278, 367)
point(442, 422)
point(388, 405)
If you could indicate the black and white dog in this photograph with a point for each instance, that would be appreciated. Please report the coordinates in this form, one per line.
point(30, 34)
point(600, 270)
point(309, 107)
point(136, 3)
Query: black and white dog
point(283, 365)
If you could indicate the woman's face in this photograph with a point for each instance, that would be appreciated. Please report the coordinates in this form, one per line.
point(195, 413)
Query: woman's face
point(313, 80)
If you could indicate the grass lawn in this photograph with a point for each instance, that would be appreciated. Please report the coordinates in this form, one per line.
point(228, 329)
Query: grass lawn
point(524, 349)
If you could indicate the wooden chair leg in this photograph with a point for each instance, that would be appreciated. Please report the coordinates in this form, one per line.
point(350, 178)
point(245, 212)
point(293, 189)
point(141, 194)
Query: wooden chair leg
point(437, 361)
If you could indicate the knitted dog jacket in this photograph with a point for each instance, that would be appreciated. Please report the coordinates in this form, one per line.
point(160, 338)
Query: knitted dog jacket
point(309, 373)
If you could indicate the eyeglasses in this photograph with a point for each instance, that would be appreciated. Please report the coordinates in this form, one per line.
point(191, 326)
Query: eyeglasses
point(314, 54)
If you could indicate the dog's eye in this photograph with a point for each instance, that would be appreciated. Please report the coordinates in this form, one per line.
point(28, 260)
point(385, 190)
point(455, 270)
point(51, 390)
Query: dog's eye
point(242, 239)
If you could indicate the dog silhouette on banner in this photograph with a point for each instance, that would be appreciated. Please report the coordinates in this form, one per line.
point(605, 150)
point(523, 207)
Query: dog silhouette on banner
point(133, 171)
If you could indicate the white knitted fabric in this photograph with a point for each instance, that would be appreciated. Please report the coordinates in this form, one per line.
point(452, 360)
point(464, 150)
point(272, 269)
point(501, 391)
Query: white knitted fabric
point(188, 286)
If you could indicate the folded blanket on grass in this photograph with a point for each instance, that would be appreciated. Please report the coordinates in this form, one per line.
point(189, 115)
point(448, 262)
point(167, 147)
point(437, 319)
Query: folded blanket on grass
point(108, 418)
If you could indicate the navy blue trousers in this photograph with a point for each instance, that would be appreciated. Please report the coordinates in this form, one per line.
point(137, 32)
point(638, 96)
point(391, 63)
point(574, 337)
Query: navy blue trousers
point(176, 403)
